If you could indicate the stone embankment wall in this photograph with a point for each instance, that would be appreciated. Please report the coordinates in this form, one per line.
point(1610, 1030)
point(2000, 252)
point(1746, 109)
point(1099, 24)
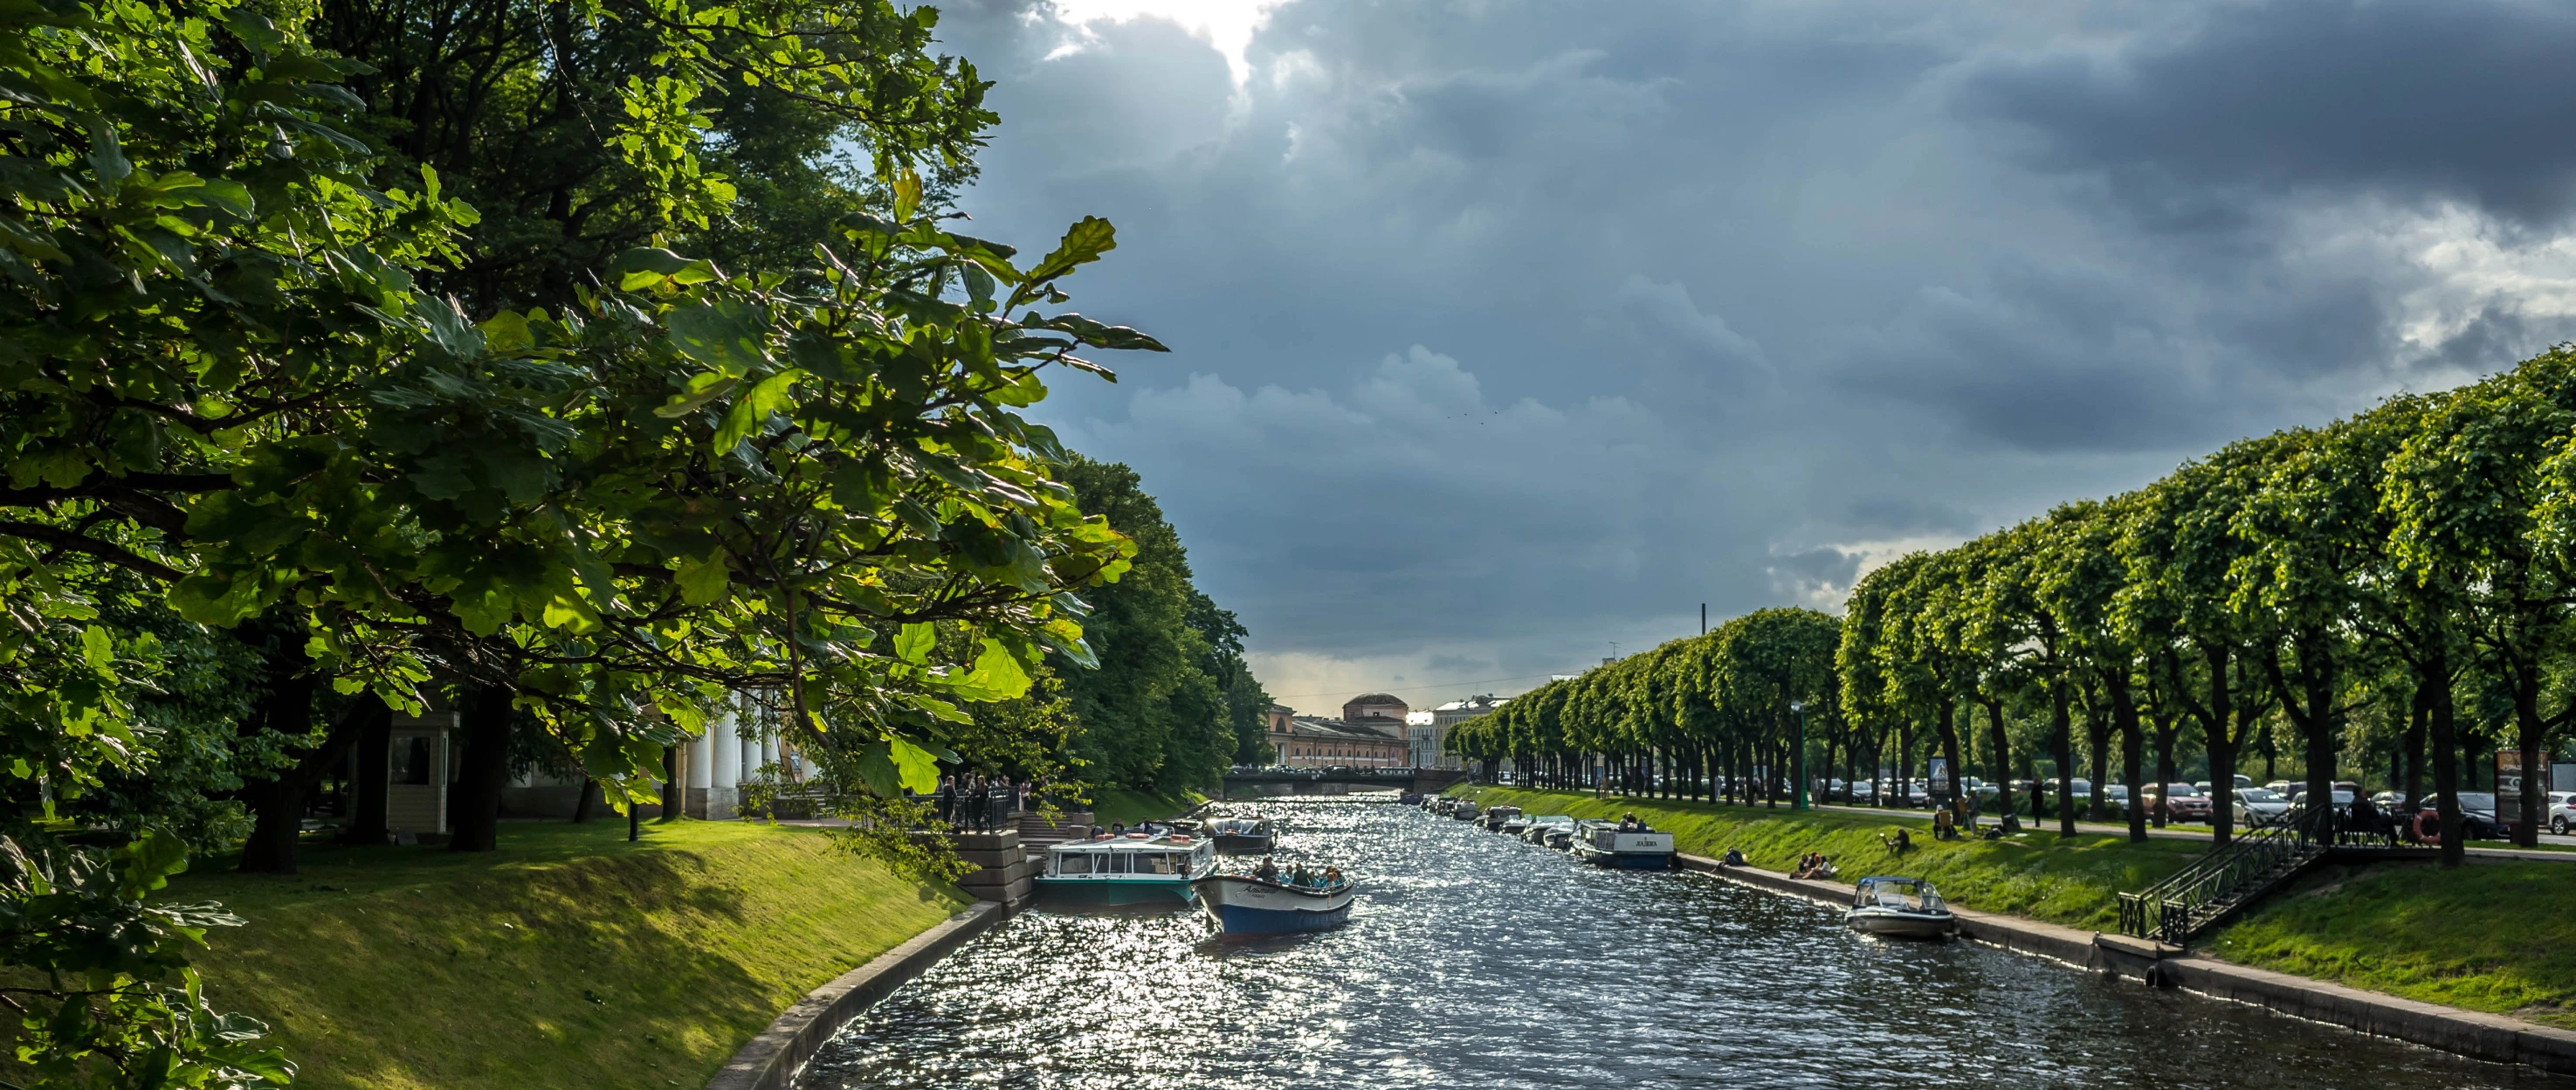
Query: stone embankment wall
point(2492, 1037)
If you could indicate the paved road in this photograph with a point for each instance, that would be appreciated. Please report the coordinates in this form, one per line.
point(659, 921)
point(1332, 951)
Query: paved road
point(2553, 849)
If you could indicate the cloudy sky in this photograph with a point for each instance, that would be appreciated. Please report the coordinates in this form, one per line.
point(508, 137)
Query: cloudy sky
point(1504, 331)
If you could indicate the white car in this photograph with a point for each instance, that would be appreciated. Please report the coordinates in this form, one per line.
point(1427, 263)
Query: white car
point(2257, 806)
point(2562, 811)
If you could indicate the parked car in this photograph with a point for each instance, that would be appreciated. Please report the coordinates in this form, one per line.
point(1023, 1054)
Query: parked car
point(2117, 795)
point(2288, 789)
point(2178, 801)
point(2562, 811)
point(2256, 807)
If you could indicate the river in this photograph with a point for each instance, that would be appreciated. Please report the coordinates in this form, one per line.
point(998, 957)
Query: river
point(1474, 960)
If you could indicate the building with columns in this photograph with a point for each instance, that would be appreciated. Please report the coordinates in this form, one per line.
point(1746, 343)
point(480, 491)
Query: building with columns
point(738, 746)
point(1308, 741)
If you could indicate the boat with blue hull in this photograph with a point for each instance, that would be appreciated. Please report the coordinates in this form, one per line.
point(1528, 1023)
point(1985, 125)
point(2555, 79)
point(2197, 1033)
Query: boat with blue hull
point(1244, 905)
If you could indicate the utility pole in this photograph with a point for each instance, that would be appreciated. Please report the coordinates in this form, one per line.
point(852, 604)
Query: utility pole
point(1703, 618)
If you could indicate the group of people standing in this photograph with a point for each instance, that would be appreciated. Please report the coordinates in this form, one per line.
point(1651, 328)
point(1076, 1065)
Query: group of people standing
point(966, 800)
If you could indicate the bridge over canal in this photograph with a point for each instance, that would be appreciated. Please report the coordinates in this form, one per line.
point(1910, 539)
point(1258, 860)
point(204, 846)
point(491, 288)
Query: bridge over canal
point(1318, 781)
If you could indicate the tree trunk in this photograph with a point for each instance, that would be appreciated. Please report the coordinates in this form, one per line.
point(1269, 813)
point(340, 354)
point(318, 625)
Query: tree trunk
point(2000, 752)
point(671, 785)
point(2413, 745)
point(2132, 747)
point(474, 809)
point(581, 807)
point(2529, 731)
point(2168, 724)
point(2446, 766)
point(370, 761)
point(2097, 738)
point(2062, 728)
point(1950, 747)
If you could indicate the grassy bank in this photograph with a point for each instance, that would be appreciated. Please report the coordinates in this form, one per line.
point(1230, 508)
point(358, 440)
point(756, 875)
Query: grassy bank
point(2067, 881)
point(2486, 937)
point(567, 958)
point(1109, 804)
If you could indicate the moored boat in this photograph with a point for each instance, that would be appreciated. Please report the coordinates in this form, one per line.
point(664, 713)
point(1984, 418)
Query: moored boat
point(1625, 845)
point(1542, 827)
point(1464, 811)
point(1242, 836)
point(1901, 907)
point(1131, 869)
point(1247, 905)
point(1493, 819)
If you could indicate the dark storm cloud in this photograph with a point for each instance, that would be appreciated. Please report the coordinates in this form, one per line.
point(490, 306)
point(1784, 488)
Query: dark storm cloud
point(2471, 101)
point(1504, 329)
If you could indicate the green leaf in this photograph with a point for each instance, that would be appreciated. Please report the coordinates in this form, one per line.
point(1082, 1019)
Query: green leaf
point(149, 862)
point(912, 644)
point(645, 266)
point(1099, 334)
point(920, 770)
point(729, 335)
point(754, 408)
point(107, 160)
point(997, 676)
point(1083, 243)
point(877, 770)
point(907, 193)
point(703, 582)
point(703, 388)
point(97, 648)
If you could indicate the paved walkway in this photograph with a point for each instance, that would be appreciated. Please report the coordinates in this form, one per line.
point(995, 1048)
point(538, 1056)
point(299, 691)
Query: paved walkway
point(2565, 846)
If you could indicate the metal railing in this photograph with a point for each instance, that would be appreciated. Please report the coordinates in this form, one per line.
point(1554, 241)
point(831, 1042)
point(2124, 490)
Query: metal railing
point(2218, 883)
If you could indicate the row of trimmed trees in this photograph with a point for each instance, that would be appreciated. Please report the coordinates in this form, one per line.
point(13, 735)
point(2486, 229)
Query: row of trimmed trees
point(2413, 566)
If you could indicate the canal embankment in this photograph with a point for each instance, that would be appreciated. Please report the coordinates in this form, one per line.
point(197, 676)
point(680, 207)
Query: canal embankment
point(567, 958)
point(2469, 961)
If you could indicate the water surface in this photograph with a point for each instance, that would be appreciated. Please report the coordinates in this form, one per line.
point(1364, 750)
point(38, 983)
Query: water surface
point(1474, 960)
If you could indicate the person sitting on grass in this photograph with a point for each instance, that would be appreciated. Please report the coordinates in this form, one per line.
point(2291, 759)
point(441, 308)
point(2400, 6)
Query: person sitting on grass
point(1734, 858)
point(1898, 843)
point(1942, 827)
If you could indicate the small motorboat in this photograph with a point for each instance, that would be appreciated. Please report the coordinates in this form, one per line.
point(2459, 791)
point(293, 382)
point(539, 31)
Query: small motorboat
point(1464, 811)
point(1900, 907)
point(1625, 845)
point(1410, 798)
point(1243, 904)
point(1242, 836)
point(1540, 828)
point(1494, 819)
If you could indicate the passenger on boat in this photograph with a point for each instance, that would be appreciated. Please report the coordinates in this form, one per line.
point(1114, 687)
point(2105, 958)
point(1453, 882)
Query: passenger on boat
point(1628, 823)
point(1332, 877)
point(1268, 871)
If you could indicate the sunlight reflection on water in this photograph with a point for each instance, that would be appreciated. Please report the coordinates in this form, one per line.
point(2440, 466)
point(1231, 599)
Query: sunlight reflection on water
point(1473, 960)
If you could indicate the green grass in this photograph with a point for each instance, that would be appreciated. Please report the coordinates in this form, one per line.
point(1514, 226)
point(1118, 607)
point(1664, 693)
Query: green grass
point(2068, 881)
point(1110, 804)
point(2486, 937)
point(567, 958)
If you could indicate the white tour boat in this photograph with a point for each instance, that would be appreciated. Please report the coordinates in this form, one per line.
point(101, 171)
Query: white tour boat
point(1135, 868)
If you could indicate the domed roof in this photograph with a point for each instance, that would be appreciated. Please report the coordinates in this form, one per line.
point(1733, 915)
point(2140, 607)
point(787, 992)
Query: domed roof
point(1374, 698)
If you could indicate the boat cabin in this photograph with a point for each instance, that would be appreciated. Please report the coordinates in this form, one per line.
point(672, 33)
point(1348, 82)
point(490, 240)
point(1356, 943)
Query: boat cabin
point(1136, 856)
point(1898, 894)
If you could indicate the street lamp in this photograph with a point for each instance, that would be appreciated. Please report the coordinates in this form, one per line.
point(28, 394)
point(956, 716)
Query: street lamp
point(1798, 794)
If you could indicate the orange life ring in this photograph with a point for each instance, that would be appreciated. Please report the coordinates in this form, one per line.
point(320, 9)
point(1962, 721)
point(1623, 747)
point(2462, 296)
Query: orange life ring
point(2431, 818)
